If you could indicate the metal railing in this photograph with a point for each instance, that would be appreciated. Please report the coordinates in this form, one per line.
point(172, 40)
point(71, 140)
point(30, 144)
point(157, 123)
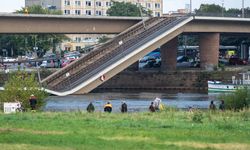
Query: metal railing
point(105, 48)
point(117, 53)
point(233, 15)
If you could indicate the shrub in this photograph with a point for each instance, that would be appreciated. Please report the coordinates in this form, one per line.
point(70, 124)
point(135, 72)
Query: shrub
point(237, 100)
point(20, 86)
point(197, 117)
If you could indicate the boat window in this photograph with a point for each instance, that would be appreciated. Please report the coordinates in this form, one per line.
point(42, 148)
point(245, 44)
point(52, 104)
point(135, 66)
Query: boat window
point(227, 86)
point(234, 87)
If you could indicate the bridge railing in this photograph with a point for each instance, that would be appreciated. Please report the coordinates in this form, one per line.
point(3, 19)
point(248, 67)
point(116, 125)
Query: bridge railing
point(122, 51)
point(233, 15)
point(104, 48)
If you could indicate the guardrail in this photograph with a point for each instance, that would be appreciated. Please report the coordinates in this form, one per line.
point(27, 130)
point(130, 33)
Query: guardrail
point(233, 15)
point(116, 54)
point(105, 48)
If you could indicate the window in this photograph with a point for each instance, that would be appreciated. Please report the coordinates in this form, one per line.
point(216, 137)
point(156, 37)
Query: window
point(67, 3)
point(78, 48)
point(78, 12)
point(148, 5)
point(157, 5)
point(67, 48)
point(88, 12)
point(157, 14)
point(108, 4)
point(87, 39)
point(88, 3)
point(78, 3)
point(66, 12)
point(78, 39)
point(98, 13)
point(98, 3)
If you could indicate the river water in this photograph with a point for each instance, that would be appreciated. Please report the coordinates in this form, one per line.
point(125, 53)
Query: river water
point(136, 102)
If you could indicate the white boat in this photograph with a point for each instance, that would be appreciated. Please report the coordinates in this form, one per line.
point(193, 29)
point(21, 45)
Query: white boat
point(237, 83)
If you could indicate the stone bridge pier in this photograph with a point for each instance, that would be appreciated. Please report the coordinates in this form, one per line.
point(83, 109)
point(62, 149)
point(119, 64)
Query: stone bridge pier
point(169, 55)
point(209, 44)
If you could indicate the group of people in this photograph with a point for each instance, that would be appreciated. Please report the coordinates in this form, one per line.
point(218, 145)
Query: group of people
point(221, 106)
point(108, 107)
point(156, 105)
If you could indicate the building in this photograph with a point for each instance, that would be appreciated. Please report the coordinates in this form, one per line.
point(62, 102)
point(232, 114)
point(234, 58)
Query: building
point(93, 7)
point(89, 8)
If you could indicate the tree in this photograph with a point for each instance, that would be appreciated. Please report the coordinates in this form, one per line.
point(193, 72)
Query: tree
point(238, 100)
point(127, 9)
point(20, 86)
point(210, 9)
point(37, 9)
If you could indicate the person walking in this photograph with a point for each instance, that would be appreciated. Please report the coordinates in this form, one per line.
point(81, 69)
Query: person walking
point(212, 106)
point(124, 107)
point(33, 102)
point(151, 107)
point(108, 107)
point(90, 107)
point(222, 105)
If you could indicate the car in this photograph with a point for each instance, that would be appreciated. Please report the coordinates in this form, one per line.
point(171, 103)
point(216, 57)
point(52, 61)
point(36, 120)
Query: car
point(65, 62)
point(8, 59)
point(49, 64)
point(149, 56)
point(237, 61)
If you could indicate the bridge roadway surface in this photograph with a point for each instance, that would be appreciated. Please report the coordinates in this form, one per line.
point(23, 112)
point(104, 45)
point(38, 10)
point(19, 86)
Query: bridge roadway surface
point(69, 24)
point(128, 47)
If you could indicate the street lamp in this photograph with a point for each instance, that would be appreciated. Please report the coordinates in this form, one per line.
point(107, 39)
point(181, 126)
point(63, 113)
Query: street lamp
point(243, 8)
point(139, 5)
point(222, 9)
point(190, 7)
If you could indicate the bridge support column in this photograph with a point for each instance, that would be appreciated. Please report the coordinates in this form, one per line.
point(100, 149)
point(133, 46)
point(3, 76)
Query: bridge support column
point(209, 44)
point(169, 54)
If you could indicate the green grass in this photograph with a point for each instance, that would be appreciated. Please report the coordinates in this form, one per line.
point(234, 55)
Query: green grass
point(166, 130)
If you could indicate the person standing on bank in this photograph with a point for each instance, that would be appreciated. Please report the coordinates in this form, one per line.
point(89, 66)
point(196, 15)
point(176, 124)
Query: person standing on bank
point(124, 107)
point(212, 106)
point(222, 105)
point(33, 102)
point(90, 107)
point(151, 107)
point(108, 107)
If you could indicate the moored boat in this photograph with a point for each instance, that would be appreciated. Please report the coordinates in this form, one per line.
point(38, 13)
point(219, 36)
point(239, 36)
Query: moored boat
point(237, 83)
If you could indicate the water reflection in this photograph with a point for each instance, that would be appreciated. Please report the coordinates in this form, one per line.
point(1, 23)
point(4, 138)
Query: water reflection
point(136, 101)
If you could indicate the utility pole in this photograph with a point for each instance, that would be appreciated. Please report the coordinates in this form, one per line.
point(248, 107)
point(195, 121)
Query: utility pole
point(243, 8)
point(190, 7)
point(222, 9)
point(139, 5)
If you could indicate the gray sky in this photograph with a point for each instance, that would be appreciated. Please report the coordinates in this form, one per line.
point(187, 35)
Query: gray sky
point(169, 5)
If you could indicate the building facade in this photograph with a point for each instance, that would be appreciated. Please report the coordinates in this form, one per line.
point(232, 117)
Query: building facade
point(90, 8)
point(93, 7)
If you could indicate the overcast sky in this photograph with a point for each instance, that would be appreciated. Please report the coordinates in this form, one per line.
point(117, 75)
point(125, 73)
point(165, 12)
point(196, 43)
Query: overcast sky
point(169, 5)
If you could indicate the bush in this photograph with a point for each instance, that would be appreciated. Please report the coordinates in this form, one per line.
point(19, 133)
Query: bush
point(197, 117)
point(237, 100)
point(20, 86)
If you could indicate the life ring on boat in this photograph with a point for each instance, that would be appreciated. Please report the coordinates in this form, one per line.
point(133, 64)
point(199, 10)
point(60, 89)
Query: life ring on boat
point(102, 78)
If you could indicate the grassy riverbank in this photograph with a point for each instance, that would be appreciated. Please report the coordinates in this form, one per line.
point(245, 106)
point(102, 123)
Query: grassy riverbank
point(165, 130)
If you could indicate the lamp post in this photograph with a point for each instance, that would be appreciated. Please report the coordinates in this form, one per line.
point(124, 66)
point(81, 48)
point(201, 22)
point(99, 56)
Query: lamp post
point(243, 8)
point(190, 7)
point(139, 5)
point(222, 9)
